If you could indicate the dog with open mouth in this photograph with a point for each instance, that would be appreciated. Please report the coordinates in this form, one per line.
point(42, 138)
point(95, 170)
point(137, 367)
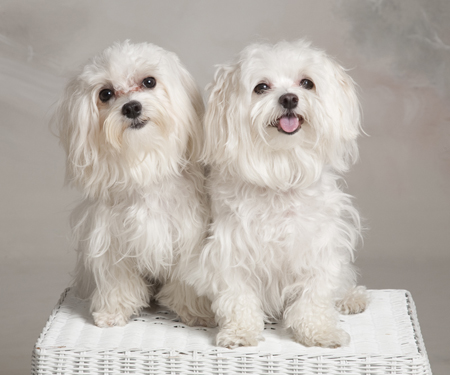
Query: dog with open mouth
point(280, 129)
point(130, 124)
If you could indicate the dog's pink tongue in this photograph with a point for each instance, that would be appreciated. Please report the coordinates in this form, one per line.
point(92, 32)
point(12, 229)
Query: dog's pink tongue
point(289, 123)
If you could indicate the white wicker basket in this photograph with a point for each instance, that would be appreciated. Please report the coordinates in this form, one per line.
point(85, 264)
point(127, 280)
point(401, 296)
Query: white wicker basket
point(385, 339)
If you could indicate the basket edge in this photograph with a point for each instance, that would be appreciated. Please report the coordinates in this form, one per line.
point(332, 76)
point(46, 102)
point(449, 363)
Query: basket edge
point(416, 327)
point(52, 316)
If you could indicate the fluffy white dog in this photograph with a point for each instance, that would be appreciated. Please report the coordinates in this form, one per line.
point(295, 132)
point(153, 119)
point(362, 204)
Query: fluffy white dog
point(280, 127)
point(130, 123)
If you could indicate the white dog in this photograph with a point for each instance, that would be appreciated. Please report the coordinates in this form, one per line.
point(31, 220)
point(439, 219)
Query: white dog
point(131, 127)
point(280, 127)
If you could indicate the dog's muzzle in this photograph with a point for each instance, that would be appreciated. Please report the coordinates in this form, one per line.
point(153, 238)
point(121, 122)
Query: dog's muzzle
point(133, 110)
point(290, 123)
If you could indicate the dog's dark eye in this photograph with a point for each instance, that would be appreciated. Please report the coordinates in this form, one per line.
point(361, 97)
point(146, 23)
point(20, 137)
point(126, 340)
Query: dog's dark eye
point(149, 82)
point(259, 89)
point(307, 84)
point(106, 94)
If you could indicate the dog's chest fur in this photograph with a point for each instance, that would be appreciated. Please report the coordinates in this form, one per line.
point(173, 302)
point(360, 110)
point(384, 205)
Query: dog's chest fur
point(279, 230)
point(151, 225)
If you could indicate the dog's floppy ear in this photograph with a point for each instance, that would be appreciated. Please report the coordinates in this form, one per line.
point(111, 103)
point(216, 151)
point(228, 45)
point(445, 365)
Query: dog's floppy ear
point(345, 119)
point(221, 112)
point(77, 122)
point(195, 141)
point(189, 102)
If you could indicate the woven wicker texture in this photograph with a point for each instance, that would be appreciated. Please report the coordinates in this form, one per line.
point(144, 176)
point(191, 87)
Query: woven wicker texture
point(385, 339)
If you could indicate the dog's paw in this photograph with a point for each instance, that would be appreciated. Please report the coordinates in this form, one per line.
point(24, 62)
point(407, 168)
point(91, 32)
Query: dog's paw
point(232, 339)
point(104, 320)
point(333, 338)
point(354, 302)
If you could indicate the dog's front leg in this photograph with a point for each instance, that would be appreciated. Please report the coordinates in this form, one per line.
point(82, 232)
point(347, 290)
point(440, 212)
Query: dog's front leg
point(240, 318)
point(313, 317)
point(119, 291)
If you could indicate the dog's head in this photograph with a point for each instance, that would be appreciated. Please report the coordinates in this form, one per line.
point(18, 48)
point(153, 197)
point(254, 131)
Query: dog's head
point(280, 113)
point(131, 116)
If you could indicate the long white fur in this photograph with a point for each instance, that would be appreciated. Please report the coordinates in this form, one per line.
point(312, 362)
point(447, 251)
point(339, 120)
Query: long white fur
point(144, 210)
point(283, 233)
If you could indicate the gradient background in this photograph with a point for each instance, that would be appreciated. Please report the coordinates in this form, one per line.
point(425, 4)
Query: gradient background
point(399, 53)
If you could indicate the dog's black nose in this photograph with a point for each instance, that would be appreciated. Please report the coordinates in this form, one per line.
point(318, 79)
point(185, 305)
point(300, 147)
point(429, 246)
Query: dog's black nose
point(132, 109)
point(288, 100)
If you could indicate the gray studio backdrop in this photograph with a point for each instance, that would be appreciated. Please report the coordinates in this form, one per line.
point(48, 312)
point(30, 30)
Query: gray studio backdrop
point(398, 53)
